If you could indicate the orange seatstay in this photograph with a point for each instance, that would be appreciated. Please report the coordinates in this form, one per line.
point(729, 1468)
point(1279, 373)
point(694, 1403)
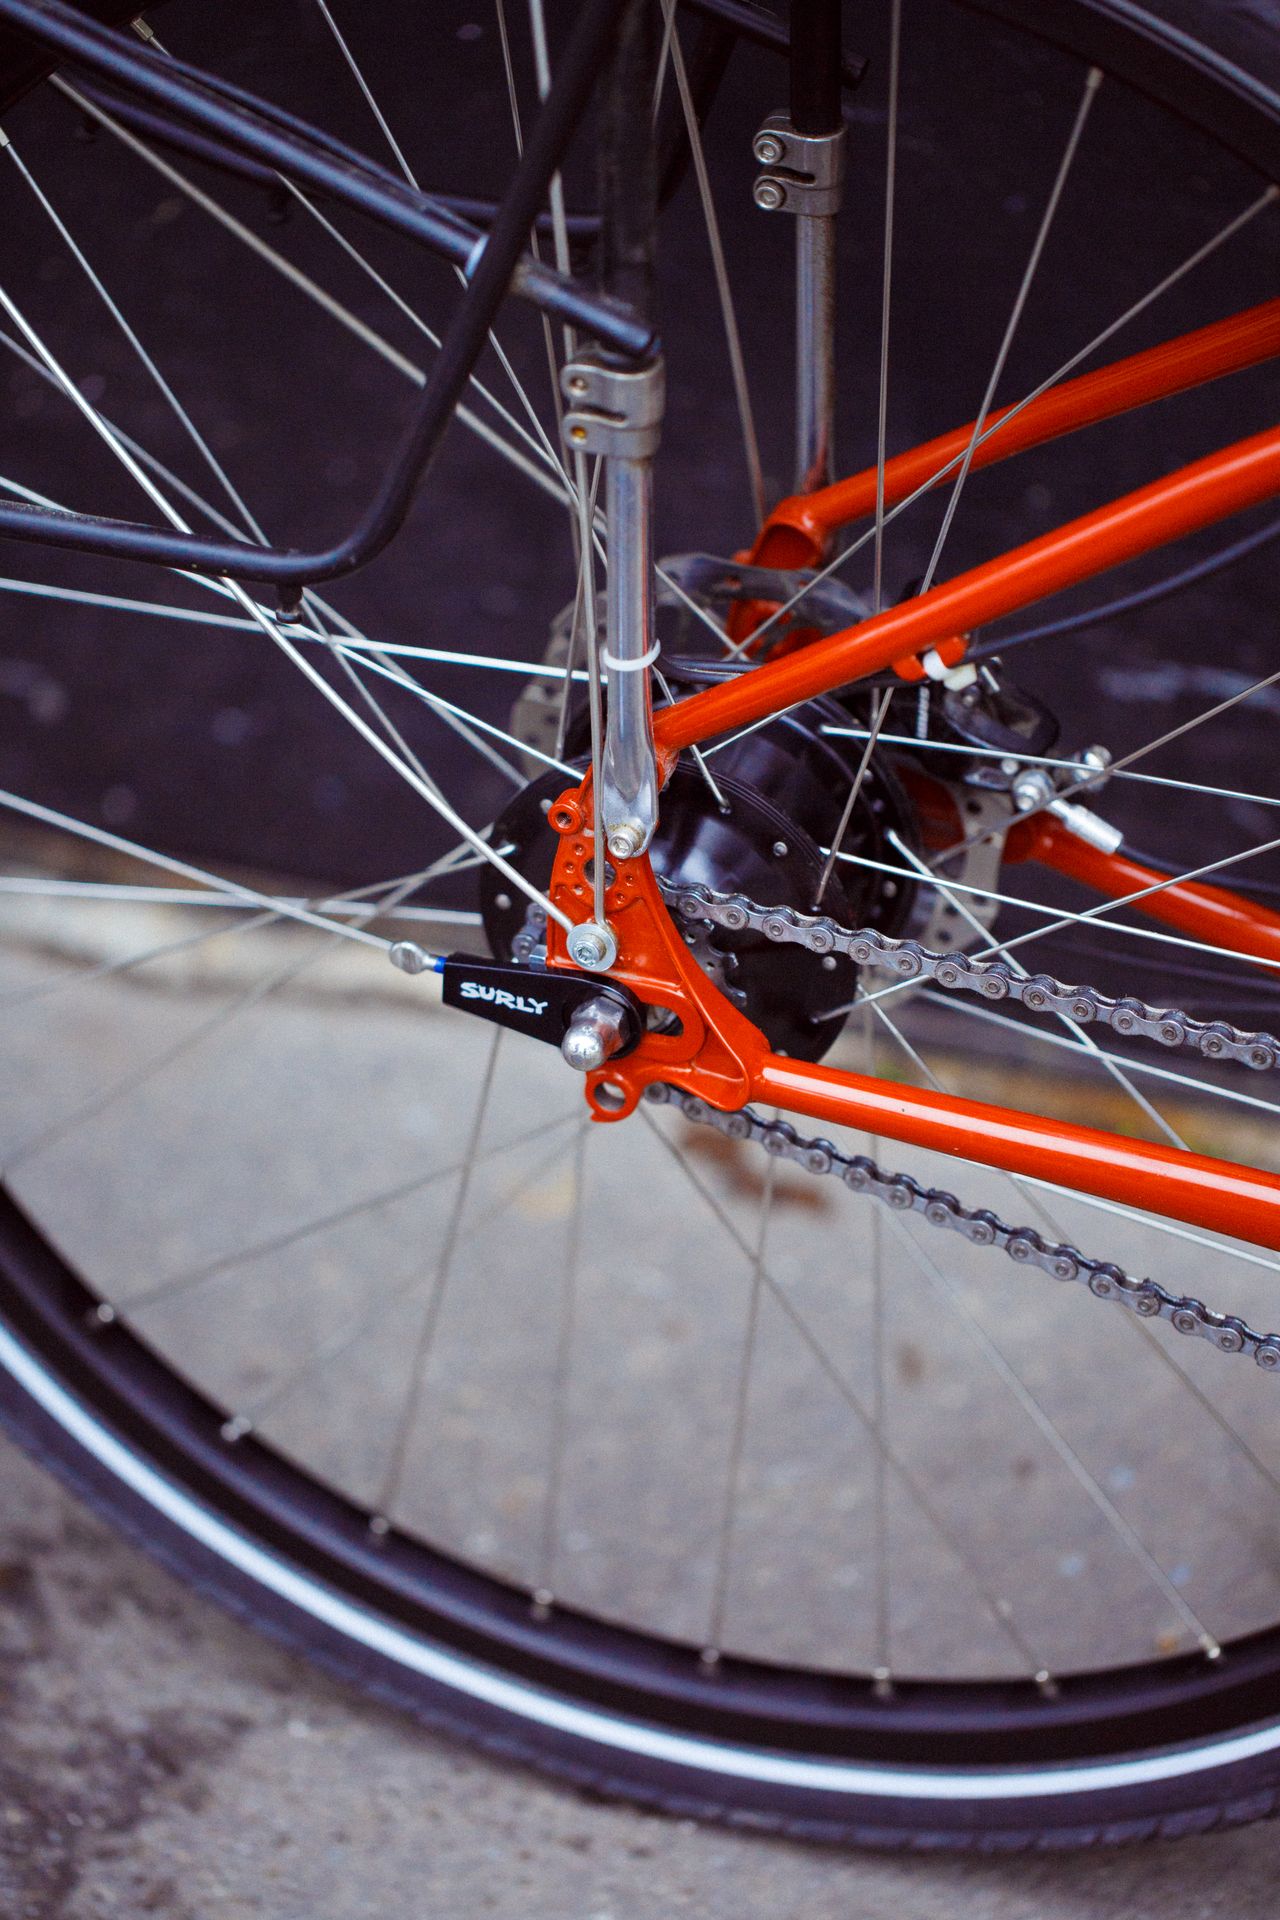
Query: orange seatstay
point(726, 1061)
point(1223, 483)
point(717, 1054)
point(798, 530)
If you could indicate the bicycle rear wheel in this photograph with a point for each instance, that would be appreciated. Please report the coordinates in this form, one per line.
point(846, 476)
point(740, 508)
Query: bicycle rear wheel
point(638, 1457)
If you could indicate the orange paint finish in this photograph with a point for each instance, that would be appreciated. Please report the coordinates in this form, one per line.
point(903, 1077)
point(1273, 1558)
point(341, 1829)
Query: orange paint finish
point(1214, 1194)
point(1213, 914)
point(1239, 476)
point(708, 1055)
point(798, 530)
point(719, 1056)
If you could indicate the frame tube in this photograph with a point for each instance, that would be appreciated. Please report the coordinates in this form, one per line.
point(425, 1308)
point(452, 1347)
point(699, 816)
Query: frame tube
point(1215, 1194)
point(799, 528)
point(1212, 914)
point(1223, 483)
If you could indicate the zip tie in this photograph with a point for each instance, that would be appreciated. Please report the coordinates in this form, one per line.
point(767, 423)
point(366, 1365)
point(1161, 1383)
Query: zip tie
point(615, 665)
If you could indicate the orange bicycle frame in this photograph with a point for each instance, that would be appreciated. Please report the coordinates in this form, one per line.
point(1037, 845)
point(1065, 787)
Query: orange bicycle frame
point(718, 1055)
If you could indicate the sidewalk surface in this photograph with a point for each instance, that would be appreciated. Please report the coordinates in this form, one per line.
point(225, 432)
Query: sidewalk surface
point(158, 1759)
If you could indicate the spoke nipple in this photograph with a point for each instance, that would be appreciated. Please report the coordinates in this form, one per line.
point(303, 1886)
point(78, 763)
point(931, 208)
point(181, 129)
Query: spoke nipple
point(709, 1657)
point(1212, 1651)
point(379, 1525)
point(882, 1683)
point(104, 1313)
point(236, 1428)
point(1047, 1684)
point(543, 1601)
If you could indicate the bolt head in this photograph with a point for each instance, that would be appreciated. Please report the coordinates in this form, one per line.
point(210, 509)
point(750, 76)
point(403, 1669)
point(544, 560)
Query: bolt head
point(592, 947)
point(767, 148)
point(1031, 790)
point(625, 842)
point(769, 195)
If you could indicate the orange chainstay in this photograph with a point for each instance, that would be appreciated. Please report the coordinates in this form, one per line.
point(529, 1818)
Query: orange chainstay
point(718, 1055)
point(723, 1059)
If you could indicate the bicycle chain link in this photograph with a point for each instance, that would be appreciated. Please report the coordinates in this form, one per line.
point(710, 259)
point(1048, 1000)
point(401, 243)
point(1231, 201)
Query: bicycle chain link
point(980, 1226)
point(994, 980)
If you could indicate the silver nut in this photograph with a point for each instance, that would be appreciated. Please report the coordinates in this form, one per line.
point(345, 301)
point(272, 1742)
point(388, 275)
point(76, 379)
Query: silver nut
point(1031, 790)
point(768, 149)
point(769, 194)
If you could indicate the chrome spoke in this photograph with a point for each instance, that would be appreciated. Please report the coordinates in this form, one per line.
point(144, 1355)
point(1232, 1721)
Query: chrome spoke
point(1220, 238)
point(129, 1082)
point(1085, 1039)
point(998, 1606)
point(358, 1326)
point(532, 470)
point(724, 292)
point(1093, 80)
point(171, 399)
point(1052, 1434)
point(733, 1472)
point(421, 1361)
point(562, 1378)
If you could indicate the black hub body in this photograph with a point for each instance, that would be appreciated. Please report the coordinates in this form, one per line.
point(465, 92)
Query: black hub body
point(784, 787)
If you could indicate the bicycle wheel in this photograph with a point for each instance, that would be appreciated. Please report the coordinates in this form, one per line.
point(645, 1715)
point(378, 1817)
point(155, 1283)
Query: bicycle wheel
point(637, 1451)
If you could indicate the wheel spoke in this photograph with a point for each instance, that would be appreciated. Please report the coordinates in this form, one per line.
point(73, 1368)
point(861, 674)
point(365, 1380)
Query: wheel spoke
point(1228, 232)
point(733, 1470)
point(1000, 1608)
point(421, 1362)
point(724, 291)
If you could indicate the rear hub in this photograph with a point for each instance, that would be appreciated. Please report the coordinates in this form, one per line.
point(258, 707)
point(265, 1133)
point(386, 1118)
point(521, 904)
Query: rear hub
point(779, 794)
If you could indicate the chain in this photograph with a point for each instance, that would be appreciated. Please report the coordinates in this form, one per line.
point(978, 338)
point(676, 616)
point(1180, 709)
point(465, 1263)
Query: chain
point(981, 1227)
point(991, 979)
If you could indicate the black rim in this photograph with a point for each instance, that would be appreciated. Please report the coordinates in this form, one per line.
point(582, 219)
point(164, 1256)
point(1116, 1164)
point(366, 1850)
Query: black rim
point(573, 1655)
point(570, 1654)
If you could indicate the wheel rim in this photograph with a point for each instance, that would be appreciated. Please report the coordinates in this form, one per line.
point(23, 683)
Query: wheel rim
point(1037, 1702)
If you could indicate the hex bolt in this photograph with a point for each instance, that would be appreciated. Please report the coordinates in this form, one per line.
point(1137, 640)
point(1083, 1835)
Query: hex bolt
point(768, 149)
point(592, 946)
point(769, 194)
point(625, 841)
point(1031, 790)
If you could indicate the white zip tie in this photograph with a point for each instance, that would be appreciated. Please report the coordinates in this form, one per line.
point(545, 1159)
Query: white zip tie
point(615, 665)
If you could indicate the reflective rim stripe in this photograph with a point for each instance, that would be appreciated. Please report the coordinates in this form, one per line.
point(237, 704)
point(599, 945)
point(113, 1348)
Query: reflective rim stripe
point(585, 1723)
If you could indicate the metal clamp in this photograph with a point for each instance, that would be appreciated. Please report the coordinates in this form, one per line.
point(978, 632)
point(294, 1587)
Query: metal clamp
point(805, 171)
point(613, 410)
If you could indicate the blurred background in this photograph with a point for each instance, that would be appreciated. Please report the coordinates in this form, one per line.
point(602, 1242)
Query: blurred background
point(200, 740)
